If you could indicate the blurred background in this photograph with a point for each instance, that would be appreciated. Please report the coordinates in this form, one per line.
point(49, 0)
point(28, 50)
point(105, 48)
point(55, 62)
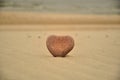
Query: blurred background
point(63, 6)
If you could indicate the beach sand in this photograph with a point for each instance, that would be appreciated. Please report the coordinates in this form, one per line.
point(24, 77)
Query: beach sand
point(24, 55)
point(52, 18)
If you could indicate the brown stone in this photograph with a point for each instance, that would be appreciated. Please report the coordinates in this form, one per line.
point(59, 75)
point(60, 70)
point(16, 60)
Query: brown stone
point(59, 46)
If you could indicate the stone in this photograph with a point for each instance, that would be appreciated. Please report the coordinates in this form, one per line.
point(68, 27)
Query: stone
point(59, 46)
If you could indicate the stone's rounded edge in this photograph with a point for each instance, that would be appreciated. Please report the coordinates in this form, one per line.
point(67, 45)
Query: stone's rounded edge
point(61, 37)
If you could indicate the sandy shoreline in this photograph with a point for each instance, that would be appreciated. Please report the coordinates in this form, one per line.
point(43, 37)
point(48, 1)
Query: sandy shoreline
point(45, 18)
point(85, 27)
point(24, 55)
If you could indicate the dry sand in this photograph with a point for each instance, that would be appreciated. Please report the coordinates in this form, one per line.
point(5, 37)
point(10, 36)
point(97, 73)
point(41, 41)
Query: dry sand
point(24, 55)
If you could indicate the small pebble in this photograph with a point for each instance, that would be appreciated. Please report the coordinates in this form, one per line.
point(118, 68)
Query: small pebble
point(29, 36)
point(106, 36)
point(89, 36)
point(39, 37)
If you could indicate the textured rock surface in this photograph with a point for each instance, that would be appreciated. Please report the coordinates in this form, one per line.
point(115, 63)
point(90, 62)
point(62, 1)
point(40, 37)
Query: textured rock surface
point(59, 46)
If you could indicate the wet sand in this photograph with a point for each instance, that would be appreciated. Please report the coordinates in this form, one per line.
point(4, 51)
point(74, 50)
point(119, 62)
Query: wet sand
point(51, 18)
point(24, 55)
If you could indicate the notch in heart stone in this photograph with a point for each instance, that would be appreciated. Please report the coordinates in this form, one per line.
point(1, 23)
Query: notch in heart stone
point(59, 46)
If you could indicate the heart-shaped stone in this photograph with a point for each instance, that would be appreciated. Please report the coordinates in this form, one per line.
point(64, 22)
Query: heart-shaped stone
point(59, 46)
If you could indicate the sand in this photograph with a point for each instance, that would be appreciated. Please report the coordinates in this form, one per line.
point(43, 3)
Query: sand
point(52, 18)
point(24, 55)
